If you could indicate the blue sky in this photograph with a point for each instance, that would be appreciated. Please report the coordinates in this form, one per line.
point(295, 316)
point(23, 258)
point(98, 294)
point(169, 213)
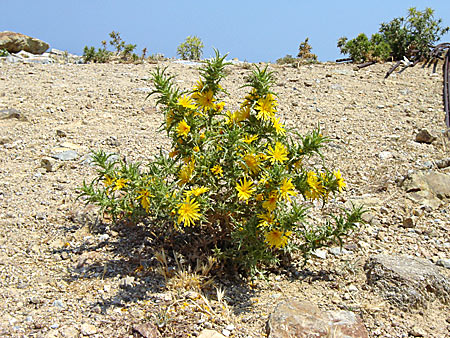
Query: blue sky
point(249, 30)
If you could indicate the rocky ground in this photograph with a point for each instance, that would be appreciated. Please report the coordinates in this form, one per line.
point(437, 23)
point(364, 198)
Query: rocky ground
point(60, 276)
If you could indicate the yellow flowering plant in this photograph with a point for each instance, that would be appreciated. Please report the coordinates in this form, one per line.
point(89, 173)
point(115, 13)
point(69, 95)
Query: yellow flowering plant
point(239, 178)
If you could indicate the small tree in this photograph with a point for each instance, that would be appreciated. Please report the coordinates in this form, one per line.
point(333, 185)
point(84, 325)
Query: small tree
point(304, 52)
point(191, 48)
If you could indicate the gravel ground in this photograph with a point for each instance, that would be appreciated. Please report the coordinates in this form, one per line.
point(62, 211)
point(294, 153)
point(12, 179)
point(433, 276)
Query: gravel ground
point(58, 278)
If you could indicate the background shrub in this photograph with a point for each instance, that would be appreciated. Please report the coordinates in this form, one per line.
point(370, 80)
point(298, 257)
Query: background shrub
point(401, 37)
point(191, 48)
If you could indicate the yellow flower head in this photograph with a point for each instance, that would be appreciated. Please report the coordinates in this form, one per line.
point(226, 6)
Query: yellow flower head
point(145, 196)
point(186, 102)
point(316, 190)
point(120, 184)
point(219, 106)
point(108, 181)
point(250, 138)
point(196, 149)
point(276, 238)
point(271, 202)
point(266, 219)
point(245, 189)
point(186, 172)
point(279, 127)
point(340, 181)
point(279, 154)
point(252, 163)
point(188, 212)
point(217, 170)
point(286, 189)
point(266, 108)
point(196, 191)
point(183, 128)
point(205, 99)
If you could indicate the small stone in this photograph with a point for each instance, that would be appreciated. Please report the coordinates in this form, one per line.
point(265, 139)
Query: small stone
point(417, 332)
point(7, 114)
point(61, 133)
point(58, 303)
point(444, 262)
point(88, 329)
point(69, 332)
point(424, 136)
point(210, 334)
point(49, 164)
point(319, 253)
point(385, 155)
point(230, 327)
point(308, 83)
point(67, 155)
point(408, 222)
point(147, 330)
point(103, 237)
point(126, 282)
point(226, 332)
point(338, 251)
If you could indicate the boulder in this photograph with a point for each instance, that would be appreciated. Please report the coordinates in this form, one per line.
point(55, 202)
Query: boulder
point(434, 182)
point(15, 42)
point(295, 318)
point(407, 281)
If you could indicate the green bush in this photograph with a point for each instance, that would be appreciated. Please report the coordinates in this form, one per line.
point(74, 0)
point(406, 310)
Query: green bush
point(99, 56)
point(401, 37)
point(304, 52)
point(191, 48)
point(235, 183)
point(3, 52)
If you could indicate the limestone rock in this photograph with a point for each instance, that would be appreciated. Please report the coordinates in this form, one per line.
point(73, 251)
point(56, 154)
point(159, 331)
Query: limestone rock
point(210, 334)
point(147, 330)
point(303, 319)
point(434, 182)
point(15, 42)
point(407, 281)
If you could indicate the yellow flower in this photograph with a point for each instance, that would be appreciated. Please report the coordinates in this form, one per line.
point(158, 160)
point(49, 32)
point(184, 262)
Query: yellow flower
point(231, 118)
point(219, 106)
point(266, 108)
point(249, 139)
point(279, 154)
point(196, 149)
point(145, 196)
point(196, 191)
point(266, 219)
point(271, 203)
point(287, 188)
point(173, 153)
point(316, 190)
point(242, 114)
point(198, 86)
point(183, 128)
point(186, 102)
point(252, 162)
point(279, 127)
point(186, 172)
point(202, 136)
point(245, 189)
point(340, 181)
point(217, 170)
point(120, 183)
point(188, 212)
point(206, 99)
point(259, 197)
point(108, 181)
point(276, 238)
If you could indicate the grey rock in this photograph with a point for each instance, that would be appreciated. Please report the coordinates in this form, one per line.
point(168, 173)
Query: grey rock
point(15, 42)
point(444, 262)
point(319, 253)
point(58, 303)
point(295, 318)
point(424, 136)
point(67, 155)
point(336, 86)
point(12, 113)
point(126, 282)
point(407, 281)
point(338, 251)
point(4, 140)
point(69, 332)
point(210, 334)
point(308, 83)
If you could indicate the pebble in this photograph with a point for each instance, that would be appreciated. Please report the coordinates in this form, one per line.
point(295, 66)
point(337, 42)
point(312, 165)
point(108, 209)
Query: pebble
point(226, 332)
point(385, 155)
point(338, 251)
point(67, 155)
point(58, 303)
point(320, 253)
point(444, 262)
point(126, 282)
point(88, 329)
